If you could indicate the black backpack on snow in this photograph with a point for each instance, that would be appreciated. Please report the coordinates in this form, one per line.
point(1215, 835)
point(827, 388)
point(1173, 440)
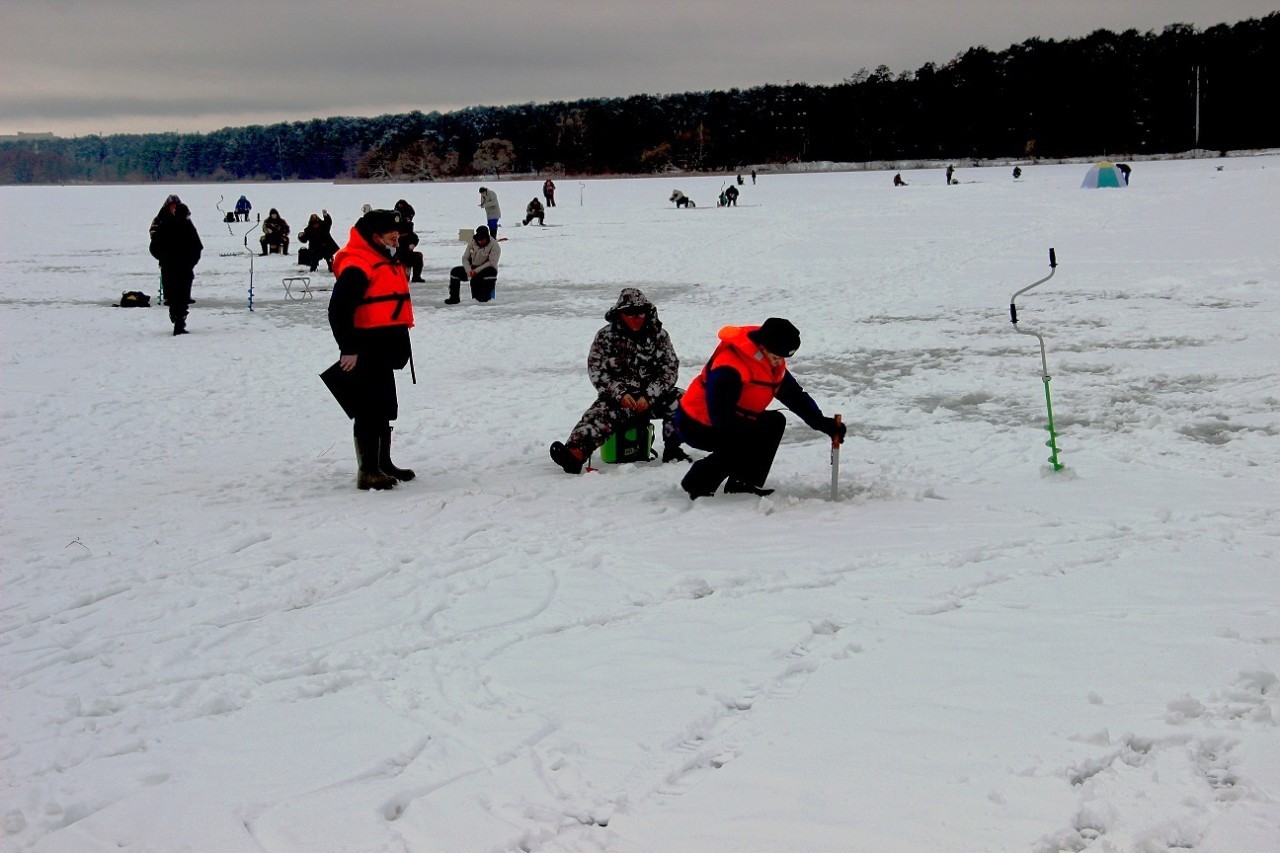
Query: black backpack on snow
point(134, 299)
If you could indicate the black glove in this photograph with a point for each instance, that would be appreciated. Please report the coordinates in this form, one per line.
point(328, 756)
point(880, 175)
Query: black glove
point(831, 427)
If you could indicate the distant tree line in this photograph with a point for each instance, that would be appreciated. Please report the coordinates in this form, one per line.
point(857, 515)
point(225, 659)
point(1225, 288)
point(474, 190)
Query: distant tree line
point(1106, 93)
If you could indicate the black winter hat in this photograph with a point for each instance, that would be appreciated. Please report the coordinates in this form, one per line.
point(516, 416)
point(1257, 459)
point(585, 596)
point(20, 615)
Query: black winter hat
point(482, 233)
point(382, 221)
point(778, 336)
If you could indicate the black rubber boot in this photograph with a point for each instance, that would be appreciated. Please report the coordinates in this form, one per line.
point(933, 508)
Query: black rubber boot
point(368, 475)
point(674, 453)
point(738, 487)
point(385, 465)
point(568, 456)
point(704, 477)
point(455, 287)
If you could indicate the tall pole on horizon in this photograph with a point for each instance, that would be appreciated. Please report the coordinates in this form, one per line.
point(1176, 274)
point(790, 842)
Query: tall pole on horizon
point(1197, 143)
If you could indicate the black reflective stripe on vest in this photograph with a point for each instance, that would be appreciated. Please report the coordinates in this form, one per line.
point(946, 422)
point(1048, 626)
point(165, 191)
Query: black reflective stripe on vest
point(745, 413)
point(400, 299)
point(773, 392)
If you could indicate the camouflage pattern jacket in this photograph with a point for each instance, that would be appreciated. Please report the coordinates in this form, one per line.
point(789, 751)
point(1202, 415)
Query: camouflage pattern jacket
point(623, 362)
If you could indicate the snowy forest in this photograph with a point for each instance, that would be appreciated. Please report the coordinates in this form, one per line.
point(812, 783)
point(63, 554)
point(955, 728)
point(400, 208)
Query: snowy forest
point(1107, 93)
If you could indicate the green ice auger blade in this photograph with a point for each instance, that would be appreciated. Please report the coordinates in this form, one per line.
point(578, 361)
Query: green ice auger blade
point(1052, 443)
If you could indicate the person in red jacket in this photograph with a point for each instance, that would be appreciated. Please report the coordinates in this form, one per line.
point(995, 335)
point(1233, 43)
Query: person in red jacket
point(370, 314)
point(724, 410)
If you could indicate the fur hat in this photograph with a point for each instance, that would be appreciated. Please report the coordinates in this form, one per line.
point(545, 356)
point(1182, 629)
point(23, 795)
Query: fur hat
point(778, 336)
point(382, 221)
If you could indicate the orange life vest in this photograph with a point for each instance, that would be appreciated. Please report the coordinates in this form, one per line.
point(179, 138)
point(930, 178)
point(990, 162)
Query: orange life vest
point(760, 380)
point(386, 301)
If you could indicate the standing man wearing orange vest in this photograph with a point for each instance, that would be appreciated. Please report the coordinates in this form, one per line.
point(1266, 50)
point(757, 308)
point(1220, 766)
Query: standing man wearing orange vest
point(724, 409)
point(370, 314)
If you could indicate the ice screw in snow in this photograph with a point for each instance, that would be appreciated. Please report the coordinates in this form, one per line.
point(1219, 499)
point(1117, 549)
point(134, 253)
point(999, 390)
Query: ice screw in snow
point(835, 461)
point(250, 253)
point(223, 214)
point(1052, 443)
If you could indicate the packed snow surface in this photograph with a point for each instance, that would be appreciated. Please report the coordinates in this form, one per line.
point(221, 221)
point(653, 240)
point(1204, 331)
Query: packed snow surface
point(211, 641)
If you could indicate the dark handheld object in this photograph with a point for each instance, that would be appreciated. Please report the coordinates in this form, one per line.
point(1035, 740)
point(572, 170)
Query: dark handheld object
point(344, 387)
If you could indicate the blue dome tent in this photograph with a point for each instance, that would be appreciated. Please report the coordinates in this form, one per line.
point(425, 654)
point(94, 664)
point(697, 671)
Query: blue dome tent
point(1103, 174)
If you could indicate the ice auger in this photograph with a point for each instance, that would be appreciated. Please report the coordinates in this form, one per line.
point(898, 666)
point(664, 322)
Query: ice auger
point(1052, 443)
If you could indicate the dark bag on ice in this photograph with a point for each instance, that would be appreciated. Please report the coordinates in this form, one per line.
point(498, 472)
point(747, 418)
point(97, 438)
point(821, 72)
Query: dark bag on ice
point(134, 299)
point(342, 385)
point(229, 217)
point(304, 256)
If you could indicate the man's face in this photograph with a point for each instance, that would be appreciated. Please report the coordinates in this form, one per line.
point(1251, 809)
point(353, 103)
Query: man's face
point(390, 239)
point(633, 318)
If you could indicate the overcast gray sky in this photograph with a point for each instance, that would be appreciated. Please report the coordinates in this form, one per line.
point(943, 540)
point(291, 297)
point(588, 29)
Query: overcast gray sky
point(76, 67)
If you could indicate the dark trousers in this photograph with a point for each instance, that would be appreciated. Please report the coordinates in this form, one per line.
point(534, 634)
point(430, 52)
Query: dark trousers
point(177, 290)
point(551, 199)
point(743, 452)
point(533, 216)
point(375, 402)
point(483, 285)
point(413, 260)
point(309, 257)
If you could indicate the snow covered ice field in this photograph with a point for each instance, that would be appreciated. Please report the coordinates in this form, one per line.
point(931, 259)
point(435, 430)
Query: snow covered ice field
point(211, 641)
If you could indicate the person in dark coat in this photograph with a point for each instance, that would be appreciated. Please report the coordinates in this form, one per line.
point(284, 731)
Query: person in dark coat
point(275, 232)
point(319, 236)
point(1125, 169)
point(177, 247)
point(731, 196)
point(407, 252)
point(370, 314)
point(724, 410)
point(534, 210)
point(166, 211)
point(634, 369)
point(549, 192)
point(242, 209)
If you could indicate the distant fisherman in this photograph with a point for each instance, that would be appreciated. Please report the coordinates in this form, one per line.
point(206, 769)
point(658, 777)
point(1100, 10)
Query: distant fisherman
point(492, 212)
point(176, 245)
